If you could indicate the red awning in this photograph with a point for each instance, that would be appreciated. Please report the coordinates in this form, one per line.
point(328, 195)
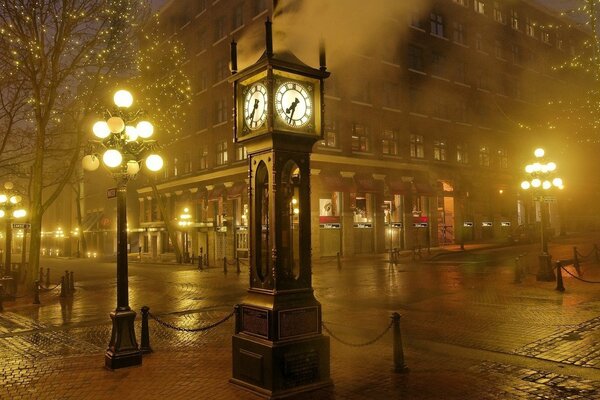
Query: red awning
point(216, 193)
point(398, 186)
point(365, 184)
point(237, 190)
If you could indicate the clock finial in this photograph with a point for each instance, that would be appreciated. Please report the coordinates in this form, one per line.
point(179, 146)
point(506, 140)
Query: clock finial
point(269, 38)
point(322, 57)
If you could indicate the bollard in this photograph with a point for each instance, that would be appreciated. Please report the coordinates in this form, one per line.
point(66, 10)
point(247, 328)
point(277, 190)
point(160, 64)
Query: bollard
point(559, 280)
point(517, 270)
point(36, 292)
point(72, 282)
point(41, 278)
point(145, 338)
point(63, 293)
point(48, 277)
point(399, 365)
point(576, 261)
point(67, 284)
point(206, 259)
point(1, 297)
point(225, 265)
point(339, 261)
point(200, 262)
point(237, 265)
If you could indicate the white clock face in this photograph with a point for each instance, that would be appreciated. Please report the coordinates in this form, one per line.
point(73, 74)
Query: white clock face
point(293, 104)
point(255, 106)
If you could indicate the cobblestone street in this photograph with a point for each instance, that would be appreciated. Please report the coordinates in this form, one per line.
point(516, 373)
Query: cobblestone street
point(469, 331)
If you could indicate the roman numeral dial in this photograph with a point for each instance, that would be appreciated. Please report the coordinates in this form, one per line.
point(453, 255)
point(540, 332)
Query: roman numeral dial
point(293, 103)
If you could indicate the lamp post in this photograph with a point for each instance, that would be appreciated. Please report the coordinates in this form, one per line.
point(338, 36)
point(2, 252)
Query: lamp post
point(122, 148)
point(9, 209)
point(541, 179)
point(185, 220)
point(75, 233)
point(59, 235)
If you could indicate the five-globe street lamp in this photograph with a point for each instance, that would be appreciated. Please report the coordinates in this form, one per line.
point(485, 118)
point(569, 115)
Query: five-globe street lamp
point(9, 209)
point(123, 146)
point(541, 179)
point(185, 221)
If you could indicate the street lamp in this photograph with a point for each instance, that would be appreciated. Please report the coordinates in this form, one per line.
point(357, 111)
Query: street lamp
point(185, 220)
point(122, 147)
point(59, 235)
point(75, 233)
point(541, 179)
point(9, 209)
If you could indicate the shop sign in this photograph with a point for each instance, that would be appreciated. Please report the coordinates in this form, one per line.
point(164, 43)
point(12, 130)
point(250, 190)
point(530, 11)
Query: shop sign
point(363, 225)
point(111, 193)
point(330, 226)
point(487, 223)
point(397, 225)
point(21, 226)
point(468, 224)
point(421, 224)
point(505, 223)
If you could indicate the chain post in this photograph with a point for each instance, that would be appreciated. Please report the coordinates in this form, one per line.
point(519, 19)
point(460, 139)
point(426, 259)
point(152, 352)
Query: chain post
point(399, 365)
point(63, 292)
point(67, 284)
point(559, 279)
point(517, 270)
point(41, 278)
point(238, 318)
point(576, 261)
point(339, 261)
point(48, 277)
point(145, 338)
point(71, 282)
point(36, 292)
point(225, 265)
point(237, 265)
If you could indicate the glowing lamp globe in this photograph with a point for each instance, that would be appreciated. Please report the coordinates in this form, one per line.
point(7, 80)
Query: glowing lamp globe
point(123, 99)
point(112, 158)
point(558, 182)
point(90, 162)
point(551, 166)
point(2, 213)
point(8, 185)
point(3, 198)
point(539, 152)
point(546, 185)
point(15, 199)
point(537, 167)
point(145, 129)
point(529, 168)
point(536, 183)
point(101, 129)
point(133, 167)
point(19, 213)
point(154, 162)
point(131, 133)
point(115, 124)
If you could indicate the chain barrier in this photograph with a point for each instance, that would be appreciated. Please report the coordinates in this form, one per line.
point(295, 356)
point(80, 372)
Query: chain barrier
point(180, 329)
point(342, 341)
point(576, 277)
point(584, 257)
point(45, 289)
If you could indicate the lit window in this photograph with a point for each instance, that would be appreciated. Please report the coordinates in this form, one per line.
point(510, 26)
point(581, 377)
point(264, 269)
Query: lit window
point(499, 15)
point(462, 154)
point(502, 159)
point(484, 156)
point(360, 138)
point(203, 158)
point(417, 147)
point(514, 19)
point(222, 152)
point(330, 136)
point(461, 2)
point(241, 153)
point(389, 142)
point(439, 150)
point(479, 6)
point(529, 27)
point(545, 37)
point(187, 163)
point(459, 33)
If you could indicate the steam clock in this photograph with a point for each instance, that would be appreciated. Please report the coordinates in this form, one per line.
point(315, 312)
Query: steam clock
point(278, 346)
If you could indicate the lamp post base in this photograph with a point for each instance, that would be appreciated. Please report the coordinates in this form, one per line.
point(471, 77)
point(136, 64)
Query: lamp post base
point(122, 350)
point(545, 272)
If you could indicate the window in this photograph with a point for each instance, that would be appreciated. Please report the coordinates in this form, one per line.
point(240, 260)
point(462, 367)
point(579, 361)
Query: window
point(391, 94)
point(415, 100)
point(502, 158)
point(461, 72)
point(483, 80)
point(439, 150)
point(259, 6)
point(241, 153)
point(529, 27)
point(362, 206)
point(389, 142)
point(499, 15)
point(545, 37)
point(220, 111)
point(498, 49)
point(219, 28)
point(175, 166)
point(437, 24)
point(201, 41)
point(415, 57)
point(439, 108)
point(462, 154)
point(461, 110)
point(438, 62)
point(479, 42)
point(202, 118)
point(221, 69)
point(203, 158)
point(360, 138)
point(364, 93)
point(514, 19)
point(416, 21)
point(237, 17)
point(202, 83)
point(417, 147)
point(200, 6)
point(479, 6)
point(516, 54)
point(461, 2)
point(484, 156)
point(222, 152)
point(187, 163)
point(330, 136)
point(458, 33)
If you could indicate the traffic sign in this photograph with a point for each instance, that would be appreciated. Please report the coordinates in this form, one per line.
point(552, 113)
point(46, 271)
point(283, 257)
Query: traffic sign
point(21, 226)
point(111, 193)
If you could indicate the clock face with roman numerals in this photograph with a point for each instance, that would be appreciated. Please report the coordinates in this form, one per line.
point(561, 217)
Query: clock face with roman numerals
point(255, 106)
point(293, 103)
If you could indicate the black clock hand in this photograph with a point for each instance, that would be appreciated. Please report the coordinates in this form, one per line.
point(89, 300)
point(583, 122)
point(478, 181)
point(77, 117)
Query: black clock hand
point(290, 110)
point(254, 110)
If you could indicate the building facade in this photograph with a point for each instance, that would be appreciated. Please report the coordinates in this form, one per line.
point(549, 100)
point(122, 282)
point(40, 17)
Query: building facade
point(424, 142)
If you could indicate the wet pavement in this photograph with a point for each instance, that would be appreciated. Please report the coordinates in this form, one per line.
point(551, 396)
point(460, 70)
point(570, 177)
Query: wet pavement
point(469, 331)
